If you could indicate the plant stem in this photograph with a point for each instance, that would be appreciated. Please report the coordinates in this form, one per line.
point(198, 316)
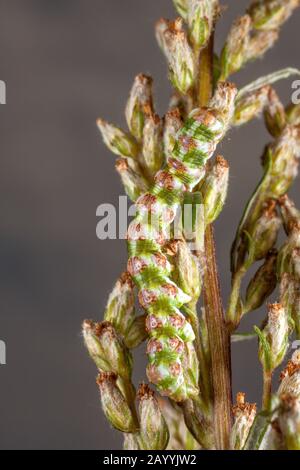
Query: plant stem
point(219, 338)
point(267, 389)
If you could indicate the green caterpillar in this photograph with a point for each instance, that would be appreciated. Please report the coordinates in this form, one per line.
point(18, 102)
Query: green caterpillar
point(170, 346)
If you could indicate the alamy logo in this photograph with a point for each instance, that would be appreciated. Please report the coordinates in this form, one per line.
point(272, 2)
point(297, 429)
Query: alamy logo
point(2, 92)
point(2, 353)
point(296, 93)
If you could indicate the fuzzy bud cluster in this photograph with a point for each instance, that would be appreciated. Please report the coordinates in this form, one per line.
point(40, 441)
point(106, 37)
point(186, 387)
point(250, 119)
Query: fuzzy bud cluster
point(173, 41)
point(244, 414)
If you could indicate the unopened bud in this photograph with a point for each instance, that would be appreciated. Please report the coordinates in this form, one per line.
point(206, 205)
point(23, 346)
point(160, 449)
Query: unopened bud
point(290, 214)
point(201, 15)
point(136, 333)
point(250, 106)
point(173, 41)
point(262, 284)
point(290, 298)
point(189, 278)
point(289, 421)
point(235, 50)
point(115, 407)
point(274, 340)
point(290, 377)
point(119, 142)
point(94, 346)
point(265, 231)
point(260, 42)
point(244, 415)
point(153, 143)
point(283, 157)
point(133, 181)
point(271, 14)
point(116, 355)
point(214, 189)
point(293, 114)
point(274, 114)
point(140, 97)
point(172, 125)
point(154, 432)
point(120, 311)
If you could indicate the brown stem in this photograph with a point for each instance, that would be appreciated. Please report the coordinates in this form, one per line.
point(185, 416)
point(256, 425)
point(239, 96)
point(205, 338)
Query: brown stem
point(219, 338)
point(267, 389)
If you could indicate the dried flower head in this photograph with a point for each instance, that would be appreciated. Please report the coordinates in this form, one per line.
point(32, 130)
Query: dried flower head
point(140, 97)
point(271, 14)
point(154, 432)
point(115, 407)
point(173, 41)
point(118, 141)
point(214, 189)
point(274, 339)
point(236, 47)
point(244, 415)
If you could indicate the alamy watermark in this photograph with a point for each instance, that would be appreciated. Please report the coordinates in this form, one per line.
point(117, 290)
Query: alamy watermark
point(2, 92)
point(2, 353)
point(296, 93)
point(153, 222)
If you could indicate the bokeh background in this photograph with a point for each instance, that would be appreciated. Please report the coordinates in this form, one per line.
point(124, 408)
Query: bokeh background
point(65, 62)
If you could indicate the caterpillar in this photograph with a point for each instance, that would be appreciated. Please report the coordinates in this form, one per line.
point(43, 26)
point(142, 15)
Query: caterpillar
point(171, 335)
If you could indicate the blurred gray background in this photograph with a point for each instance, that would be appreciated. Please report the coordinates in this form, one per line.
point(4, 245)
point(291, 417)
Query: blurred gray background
point(65, 63)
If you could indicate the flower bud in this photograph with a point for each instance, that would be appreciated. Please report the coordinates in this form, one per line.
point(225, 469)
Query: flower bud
point(94, 346)
point(201, 15)
point(189, 278)
point(260, 42)
point(140, 97)
point(265, 230)
point(107, 348)
point(262, 284)
point(290, 299)
point(234, 53)
point(120, 311)
point(244, 415)
point(172, 125)
point(274, 338)
point(271, 14)
point(274, 114)
point(119, 142)
point(182, 7)
point(214, 189)
point(153, 143)
point(288, 256)
point(198, 421)
point(173, 41)
point(289, 213)
point(137, 333)
point(154, 432)
point(283, 158)
point(250, 106)
point(115, 407)
point(293, 114)
point(134, 183)
point(289, 421)
point(290, 377)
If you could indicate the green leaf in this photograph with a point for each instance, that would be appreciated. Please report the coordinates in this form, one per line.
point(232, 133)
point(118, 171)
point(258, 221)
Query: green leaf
point(267, 80)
